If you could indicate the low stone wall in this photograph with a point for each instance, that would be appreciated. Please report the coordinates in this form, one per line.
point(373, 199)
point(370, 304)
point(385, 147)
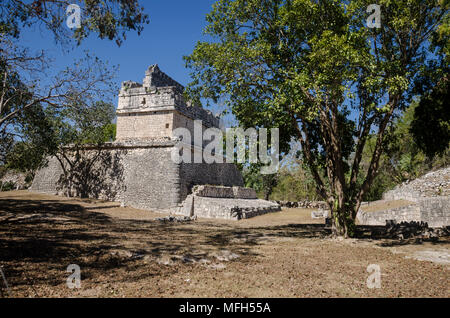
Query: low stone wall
point(305, 204)
point(434, 211)
point(430, 194)
point(225, 208)
point(402, 214)
point(232, 203)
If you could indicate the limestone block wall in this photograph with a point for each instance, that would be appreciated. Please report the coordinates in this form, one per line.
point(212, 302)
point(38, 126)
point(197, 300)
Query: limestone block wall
point(46, 179)
point(405, 213)
point(225, 208)
point(434, 210)
point(224, 192)
point(154, 124)
point(182, 121)
point(191, 174)
point(144, 125)
point(150, 179)
point(433, 184)
point(140, 175)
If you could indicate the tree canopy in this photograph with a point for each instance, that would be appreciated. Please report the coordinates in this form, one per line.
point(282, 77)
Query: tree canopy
point(110, 19)
point(33, 101)
point(318, 73)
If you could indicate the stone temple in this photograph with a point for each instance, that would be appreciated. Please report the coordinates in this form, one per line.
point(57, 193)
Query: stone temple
point(137, 168)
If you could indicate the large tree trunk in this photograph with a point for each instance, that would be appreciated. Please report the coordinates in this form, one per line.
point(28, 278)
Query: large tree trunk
point(343, 220)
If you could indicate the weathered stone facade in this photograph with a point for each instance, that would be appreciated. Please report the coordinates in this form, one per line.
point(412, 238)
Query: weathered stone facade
point(233, 203)
point(430, 202)
point(433, 184)
point(157, 107)
point(137, 169)
point(141, 175)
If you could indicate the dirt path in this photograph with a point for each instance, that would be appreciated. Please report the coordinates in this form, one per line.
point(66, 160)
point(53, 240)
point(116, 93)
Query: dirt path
point(123, 252)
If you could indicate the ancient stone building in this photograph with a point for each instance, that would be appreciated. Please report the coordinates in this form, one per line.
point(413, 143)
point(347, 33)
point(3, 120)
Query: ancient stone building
point(155, 108)
point(425, 199)
point(137, 169)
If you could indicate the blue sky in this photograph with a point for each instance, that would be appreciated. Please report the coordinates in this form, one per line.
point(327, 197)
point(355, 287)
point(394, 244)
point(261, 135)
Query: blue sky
point(174, 29)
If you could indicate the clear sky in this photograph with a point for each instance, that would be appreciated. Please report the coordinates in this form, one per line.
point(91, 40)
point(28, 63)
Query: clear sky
point(175, 27)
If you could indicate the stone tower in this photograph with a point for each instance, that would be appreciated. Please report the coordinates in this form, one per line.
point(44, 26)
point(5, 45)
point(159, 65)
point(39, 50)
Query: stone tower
point(153, 109)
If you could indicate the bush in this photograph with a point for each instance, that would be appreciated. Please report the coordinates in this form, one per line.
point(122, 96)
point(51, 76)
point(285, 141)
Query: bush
point(7, 186)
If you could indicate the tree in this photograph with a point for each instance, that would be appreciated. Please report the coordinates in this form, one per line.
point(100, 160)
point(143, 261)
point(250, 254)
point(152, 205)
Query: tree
point(24, 97)
point(80, 133)
point(431, 124)
point(315, 71)
point(262, 183)
point(108, 19)
point(26, 87)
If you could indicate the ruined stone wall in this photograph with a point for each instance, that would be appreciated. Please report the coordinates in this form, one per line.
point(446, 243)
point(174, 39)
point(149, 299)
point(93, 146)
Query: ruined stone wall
point(140, 175)
point(46, 179)
point(224, 192)
point(434, 211)
point(191, 174)
point(433, 184)
point(151, 179)
point(431, 194)
point(232, 203)
point(402, 214)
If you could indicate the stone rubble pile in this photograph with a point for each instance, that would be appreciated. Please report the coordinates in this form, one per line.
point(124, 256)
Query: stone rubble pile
point(248, 212)
point(305, 204)
point(176, 219)
point(418, 230)
point(17, 180)
point(432, 184)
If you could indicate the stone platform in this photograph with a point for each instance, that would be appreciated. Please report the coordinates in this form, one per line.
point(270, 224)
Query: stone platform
point(428, 200)
point(231, 203)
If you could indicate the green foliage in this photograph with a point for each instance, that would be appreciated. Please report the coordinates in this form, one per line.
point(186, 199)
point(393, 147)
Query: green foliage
point(295, 184)
point(431, 124)
point(109, 132)
point(83, 124)
point(7, 186)
point(403, 159)
point(108, 19)
point(262, 183)
point(308, 67)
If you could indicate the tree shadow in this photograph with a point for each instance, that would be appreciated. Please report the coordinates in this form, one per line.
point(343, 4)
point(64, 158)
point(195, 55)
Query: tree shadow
point(40, 238)
point(98, 174)
point(48, 235)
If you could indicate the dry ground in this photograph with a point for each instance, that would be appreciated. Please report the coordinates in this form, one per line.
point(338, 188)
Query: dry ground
point(123, 252)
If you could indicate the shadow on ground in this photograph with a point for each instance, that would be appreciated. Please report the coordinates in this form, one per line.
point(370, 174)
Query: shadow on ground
point(48, 235)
